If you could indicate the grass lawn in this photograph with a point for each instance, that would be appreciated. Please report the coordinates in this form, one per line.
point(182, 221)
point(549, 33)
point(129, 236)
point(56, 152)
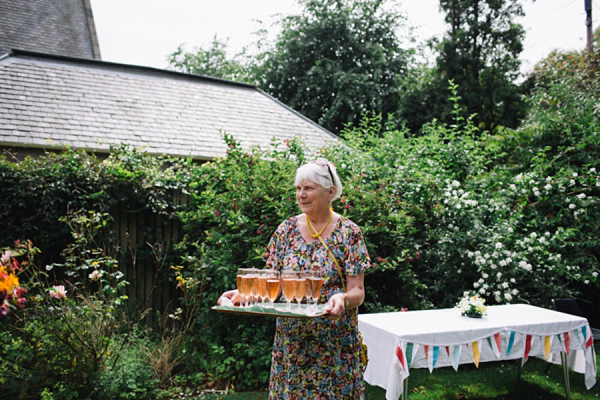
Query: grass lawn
point(489, 381)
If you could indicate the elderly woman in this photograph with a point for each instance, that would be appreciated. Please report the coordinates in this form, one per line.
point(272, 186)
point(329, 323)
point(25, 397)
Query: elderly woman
point(319, 357)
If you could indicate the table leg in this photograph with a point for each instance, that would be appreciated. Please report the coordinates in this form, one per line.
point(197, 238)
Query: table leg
point(519, 366)
point(563, 358)
point(405, 389)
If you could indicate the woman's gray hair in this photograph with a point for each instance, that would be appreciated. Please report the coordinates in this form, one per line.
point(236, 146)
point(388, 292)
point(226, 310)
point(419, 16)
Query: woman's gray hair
point(321, 172)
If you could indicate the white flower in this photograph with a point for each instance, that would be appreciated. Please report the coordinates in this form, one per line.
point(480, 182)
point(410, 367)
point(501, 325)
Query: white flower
point(58, 292)
point(595, 274)
point(508, 296)
point(572, 206)
point(455, 183)
point(498, 245)
point(548, 179)
point(574, 174)
point(505, 285)
point(533, 235)
point(592, 170)
point(513, 187)
point(485, 276)
point(499, 275)
point(510, 230)
point(586, 281)
point(513, 280)
point(515, 292)
point(581, 196)
point(497, 296)
point(572, 182)
point(6, 256)
point(470, 254)
point(548, 187)
point(96, 275)
point(475, 285)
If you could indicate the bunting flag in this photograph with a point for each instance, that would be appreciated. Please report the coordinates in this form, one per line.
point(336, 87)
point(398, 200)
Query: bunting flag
point(456, 350)
point(567, 343)
point(528, 343)
point(547, 346)
point(495, 343)
point(429, 357)
point(436, 353)
point(448, 351)
point(411, 351)
point(590, 342)
point(476, 350)
point(401, 358)
point(578, 335)
point(584, 331)
point(511, 341)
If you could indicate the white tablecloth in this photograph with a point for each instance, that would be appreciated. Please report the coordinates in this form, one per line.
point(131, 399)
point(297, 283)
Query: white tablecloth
point(439, 338)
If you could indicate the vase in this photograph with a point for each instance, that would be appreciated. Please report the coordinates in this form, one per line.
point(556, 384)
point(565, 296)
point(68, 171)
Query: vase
point(473, 315)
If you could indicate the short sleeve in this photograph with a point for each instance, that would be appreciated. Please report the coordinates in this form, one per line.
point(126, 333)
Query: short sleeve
point(356, 257)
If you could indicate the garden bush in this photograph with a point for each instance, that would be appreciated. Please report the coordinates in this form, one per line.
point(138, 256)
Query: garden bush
point(512, 216)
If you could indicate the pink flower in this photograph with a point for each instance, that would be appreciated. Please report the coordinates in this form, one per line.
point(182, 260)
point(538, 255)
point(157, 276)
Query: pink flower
point(217, 213)
point(58, 292)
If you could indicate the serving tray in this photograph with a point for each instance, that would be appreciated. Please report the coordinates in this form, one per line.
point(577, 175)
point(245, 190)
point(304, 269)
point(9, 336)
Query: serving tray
point(302, 311)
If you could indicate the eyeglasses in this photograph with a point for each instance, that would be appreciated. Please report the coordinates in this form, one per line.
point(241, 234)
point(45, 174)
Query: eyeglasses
point(325, 164)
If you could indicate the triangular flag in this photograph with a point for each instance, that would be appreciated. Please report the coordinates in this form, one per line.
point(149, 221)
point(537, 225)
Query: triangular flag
point(567, 343)
point(429, 357)
point(456, 350)
point(528, 342)
point(584, 331)
point(547, 346)
point(411, 351)
point(476, 352)
point(448, 350)
point(578, 335)
point(400, 358)
point(498, 340)
point(495, 343)
point(590, 342)
point(511, 341)
point(436, 353)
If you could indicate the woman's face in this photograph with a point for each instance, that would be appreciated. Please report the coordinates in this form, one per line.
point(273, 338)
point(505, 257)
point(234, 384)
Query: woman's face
point(312, 197)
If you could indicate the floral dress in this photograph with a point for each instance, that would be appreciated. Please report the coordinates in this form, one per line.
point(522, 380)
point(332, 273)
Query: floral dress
point(317, 358)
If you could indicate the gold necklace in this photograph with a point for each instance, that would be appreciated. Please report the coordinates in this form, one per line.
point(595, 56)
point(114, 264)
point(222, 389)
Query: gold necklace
point(311, 227)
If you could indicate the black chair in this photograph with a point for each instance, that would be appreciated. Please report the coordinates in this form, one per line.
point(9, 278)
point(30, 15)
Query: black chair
point(570, 306)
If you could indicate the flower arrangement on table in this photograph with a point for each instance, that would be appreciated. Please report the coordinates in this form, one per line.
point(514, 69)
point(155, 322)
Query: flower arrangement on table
point(471, 305)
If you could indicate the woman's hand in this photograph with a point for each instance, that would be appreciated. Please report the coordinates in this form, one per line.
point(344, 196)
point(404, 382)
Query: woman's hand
point(335, 306)
point(232, 295)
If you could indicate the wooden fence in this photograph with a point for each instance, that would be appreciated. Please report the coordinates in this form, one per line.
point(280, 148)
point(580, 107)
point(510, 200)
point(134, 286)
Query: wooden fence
point(146, 241)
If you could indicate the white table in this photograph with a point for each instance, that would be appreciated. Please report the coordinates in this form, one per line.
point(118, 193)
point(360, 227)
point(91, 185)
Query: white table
point(440, 338)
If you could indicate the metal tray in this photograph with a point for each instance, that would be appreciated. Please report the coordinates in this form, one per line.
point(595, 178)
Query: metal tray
point(302, 311)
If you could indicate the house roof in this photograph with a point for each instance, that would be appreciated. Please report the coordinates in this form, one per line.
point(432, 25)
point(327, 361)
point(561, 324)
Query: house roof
point(51, 101)
point(63, 27)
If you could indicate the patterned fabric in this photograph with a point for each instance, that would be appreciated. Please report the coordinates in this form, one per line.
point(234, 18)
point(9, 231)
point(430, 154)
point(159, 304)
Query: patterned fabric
point(317, 358)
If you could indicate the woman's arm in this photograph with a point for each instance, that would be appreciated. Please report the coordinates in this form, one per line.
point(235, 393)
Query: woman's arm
point(354, 297)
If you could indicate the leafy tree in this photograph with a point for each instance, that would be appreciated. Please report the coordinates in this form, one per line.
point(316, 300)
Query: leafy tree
point(480, 54)
point(211, 62)
point(336, 61)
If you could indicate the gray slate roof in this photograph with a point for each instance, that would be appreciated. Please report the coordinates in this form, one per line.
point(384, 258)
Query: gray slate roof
point(48, 100)
point(64, 27)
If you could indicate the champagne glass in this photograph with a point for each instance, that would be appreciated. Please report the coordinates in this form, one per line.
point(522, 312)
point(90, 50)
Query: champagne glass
point(315, 283)
point(262, 290)
point(288, 286)
point(300, 291)
point(253, 285)
point(241, 282)
point(273, 284)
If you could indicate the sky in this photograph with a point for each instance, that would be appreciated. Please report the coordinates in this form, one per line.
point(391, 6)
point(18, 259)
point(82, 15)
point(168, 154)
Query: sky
point(145, 32)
